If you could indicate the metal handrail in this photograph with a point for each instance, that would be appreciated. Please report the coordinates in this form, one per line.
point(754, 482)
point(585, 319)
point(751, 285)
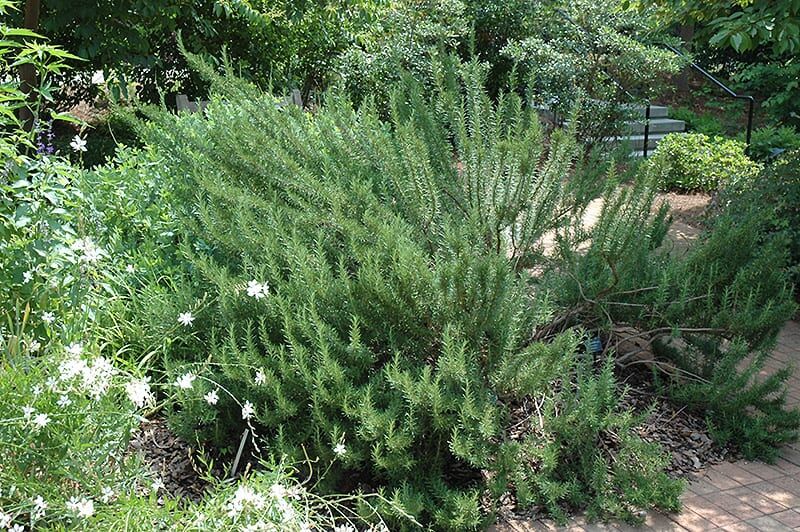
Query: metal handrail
point(730, 92)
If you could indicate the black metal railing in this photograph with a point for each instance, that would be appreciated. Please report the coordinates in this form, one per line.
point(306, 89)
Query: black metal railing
point(730, 92)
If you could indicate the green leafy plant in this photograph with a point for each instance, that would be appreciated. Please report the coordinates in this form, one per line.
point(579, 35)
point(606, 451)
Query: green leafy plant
point(47, 260)
point(770, 141)
point(359, 288)
point(774, 194)
point(24, 49)
point(744, 403)
point(64, 424)
point(699, 123)
point(67, 413)
point(694, 161)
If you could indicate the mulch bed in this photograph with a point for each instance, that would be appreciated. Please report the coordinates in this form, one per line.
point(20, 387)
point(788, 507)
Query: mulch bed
point(680, 432)
point(171, 459)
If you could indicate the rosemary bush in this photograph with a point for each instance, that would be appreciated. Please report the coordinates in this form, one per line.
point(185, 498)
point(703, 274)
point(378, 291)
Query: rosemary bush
point(380, 297)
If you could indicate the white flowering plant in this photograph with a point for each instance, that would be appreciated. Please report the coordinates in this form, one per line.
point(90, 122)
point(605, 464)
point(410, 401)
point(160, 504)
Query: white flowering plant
point(66, 413)
point(47, 259)
point(269, 499)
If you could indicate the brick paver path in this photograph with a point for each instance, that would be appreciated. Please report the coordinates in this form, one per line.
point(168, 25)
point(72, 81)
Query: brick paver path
point(738, 497)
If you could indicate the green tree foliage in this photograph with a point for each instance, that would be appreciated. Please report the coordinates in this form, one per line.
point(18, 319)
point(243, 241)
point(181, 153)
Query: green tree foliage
point(592, 51)
point(402, 41)
point(763, 36)
point(289, 43)
point(743, 25)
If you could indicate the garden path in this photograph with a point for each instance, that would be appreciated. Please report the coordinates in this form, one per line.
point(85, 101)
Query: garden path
point(740, 496)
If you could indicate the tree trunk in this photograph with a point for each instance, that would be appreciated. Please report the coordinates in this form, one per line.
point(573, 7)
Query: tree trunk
point(686, 33)
point(27, 73)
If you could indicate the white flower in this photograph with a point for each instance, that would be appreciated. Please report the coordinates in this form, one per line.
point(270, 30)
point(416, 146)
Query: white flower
point(248, 410)
point(78, 144)
point(157, 484)
point(344, 528)
point(48, 317)
point(39, 506)
point(64, 401)
point(34, 346)
point(5, 519)
point(28, 276)
point(185, 381)
point(129, 268)
point(92, 254)
point(97, 377)
point(41, 420)
point(36, 390)
point(200, 519)
point(28, 411)
point(185, 319)
point(261, 377)
point(278, 491)
point(244, 496)
point(83, 507)
point(138, 391)
point(257, 290)
point(340, 449)
point(106, 495)
point(305, 527)
point(71, 367)
point(75, 349)
point(17, 528)
point(211, 397)
point(88, 249)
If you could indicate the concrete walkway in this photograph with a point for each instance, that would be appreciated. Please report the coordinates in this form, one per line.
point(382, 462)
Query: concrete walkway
point(738, 497)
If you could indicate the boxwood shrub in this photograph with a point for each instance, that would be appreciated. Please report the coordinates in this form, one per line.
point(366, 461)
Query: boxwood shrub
point(697, 162)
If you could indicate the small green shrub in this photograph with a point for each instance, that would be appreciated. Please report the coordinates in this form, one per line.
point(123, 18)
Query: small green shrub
point(742, 408)
point(727, 381)
point(698, 123)
point(769, 141)
point(693, 161)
